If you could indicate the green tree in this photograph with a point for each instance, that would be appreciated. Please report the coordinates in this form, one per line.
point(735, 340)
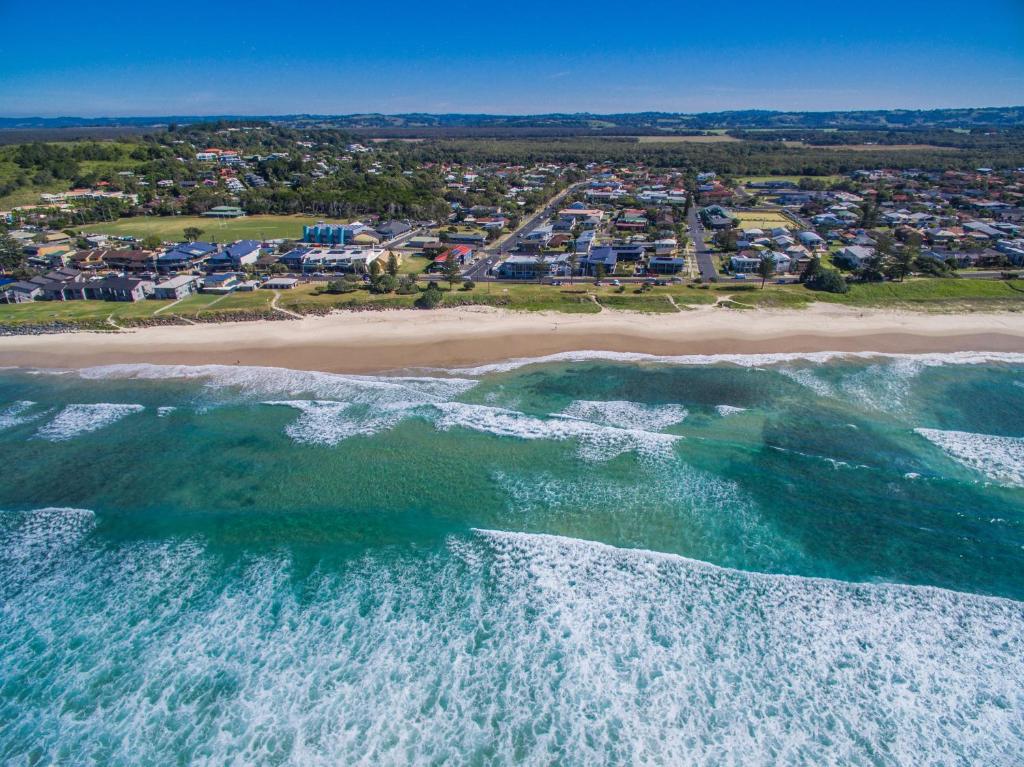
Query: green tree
point(451, 270)
point(11, 256)
point(765, 267)
point(193, 233)
point(811, 270)
point(574, 262)
point(152, 242)
point(392, 266)
point(872, 268)
point(900, 264)
point(599, 272)
point(375, 268)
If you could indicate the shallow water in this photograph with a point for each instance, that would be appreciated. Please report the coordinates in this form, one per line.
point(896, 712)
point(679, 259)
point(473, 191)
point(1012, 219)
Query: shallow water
point(591, 559)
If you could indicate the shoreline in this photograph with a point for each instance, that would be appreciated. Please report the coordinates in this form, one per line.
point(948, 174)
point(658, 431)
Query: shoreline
point(375, 342)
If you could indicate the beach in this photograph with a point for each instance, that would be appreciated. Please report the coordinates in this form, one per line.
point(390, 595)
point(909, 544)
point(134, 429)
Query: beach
point(370, 342)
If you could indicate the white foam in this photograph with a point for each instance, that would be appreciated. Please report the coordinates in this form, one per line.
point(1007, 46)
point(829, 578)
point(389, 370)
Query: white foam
point(78, 419)
point(33, 539)
point(999, 458)
point(17, 413)
point(727, 410)
point(502, 648)
point(596, 442)
point(626, 415)
point(263, 381)
point(328, 422)
point(747, 360)
point(164, 411)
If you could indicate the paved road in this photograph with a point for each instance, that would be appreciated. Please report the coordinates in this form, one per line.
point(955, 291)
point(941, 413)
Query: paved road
point(493, 254)
point(705, 262)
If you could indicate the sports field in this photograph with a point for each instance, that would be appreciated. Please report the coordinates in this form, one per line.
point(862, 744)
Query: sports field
point(214, 229)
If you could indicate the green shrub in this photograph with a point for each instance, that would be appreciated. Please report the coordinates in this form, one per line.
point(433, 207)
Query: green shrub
point(430, 298)
point(383, 283)
point(829, 281)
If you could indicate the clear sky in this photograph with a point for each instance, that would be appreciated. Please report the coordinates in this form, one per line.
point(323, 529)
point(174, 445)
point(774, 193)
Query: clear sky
point(160, 58)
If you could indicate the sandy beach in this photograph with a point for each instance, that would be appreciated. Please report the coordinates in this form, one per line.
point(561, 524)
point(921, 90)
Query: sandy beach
point(371, 342)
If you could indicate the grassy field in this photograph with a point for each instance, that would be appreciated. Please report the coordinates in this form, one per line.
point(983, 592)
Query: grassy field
point(934, 295)
point(216, 230)
point(29, 195)
point(761, 220)
point(716, 138)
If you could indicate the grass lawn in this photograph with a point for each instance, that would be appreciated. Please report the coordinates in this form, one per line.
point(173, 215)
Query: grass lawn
point(214, 229)
point(650, 302)
point(921, 294)
point(761, 220)
point(91, 313)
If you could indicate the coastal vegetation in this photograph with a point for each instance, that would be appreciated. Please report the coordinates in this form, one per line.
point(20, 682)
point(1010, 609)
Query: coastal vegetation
point(922, 294)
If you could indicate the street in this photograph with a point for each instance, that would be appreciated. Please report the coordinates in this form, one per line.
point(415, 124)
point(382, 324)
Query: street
point(493, 254)
point(705, 262)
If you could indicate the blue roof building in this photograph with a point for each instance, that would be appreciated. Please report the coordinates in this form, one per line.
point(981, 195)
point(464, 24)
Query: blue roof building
point(186, 256)
point(236, 255)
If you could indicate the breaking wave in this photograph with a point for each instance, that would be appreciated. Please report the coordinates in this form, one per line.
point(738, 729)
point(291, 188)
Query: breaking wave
point(626, 415)
point(17, 413)
point(328, 423)
point(265, 381)
point(727, 410)
point(999, 458)
point(78, 419)
point(502, 648)
point(596, 442)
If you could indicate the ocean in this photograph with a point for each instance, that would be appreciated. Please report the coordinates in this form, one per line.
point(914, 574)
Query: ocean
point(584, 559)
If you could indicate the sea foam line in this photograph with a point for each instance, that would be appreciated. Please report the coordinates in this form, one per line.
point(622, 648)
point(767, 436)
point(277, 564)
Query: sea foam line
point(271, 380)
point(741, 360)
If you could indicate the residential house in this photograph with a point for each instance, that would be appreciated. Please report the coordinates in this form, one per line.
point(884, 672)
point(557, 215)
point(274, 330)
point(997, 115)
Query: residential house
point(131, 260)
point(478, 239)
point(235, 256)
point(852, 256)
point(119, 289)
point(665, 265)
point(603, 256)
point(389, 230)
point(220, 283)
point(176, 287)
point(20, 292)
point(89, 260)
point(185, 257)
point(716, 217)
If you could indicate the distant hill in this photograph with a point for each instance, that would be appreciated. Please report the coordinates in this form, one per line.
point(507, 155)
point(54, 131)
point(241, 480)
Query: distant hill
point(640, 123)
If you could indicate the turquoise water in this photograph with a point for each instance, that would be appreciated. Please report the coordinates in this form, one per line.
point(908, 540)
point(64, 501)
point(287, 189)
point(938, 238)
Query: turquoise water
point(589, 559)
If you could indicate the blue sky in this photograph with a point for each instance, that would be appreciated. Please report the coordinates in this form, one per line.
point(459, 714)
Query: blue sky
point(139, 58)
